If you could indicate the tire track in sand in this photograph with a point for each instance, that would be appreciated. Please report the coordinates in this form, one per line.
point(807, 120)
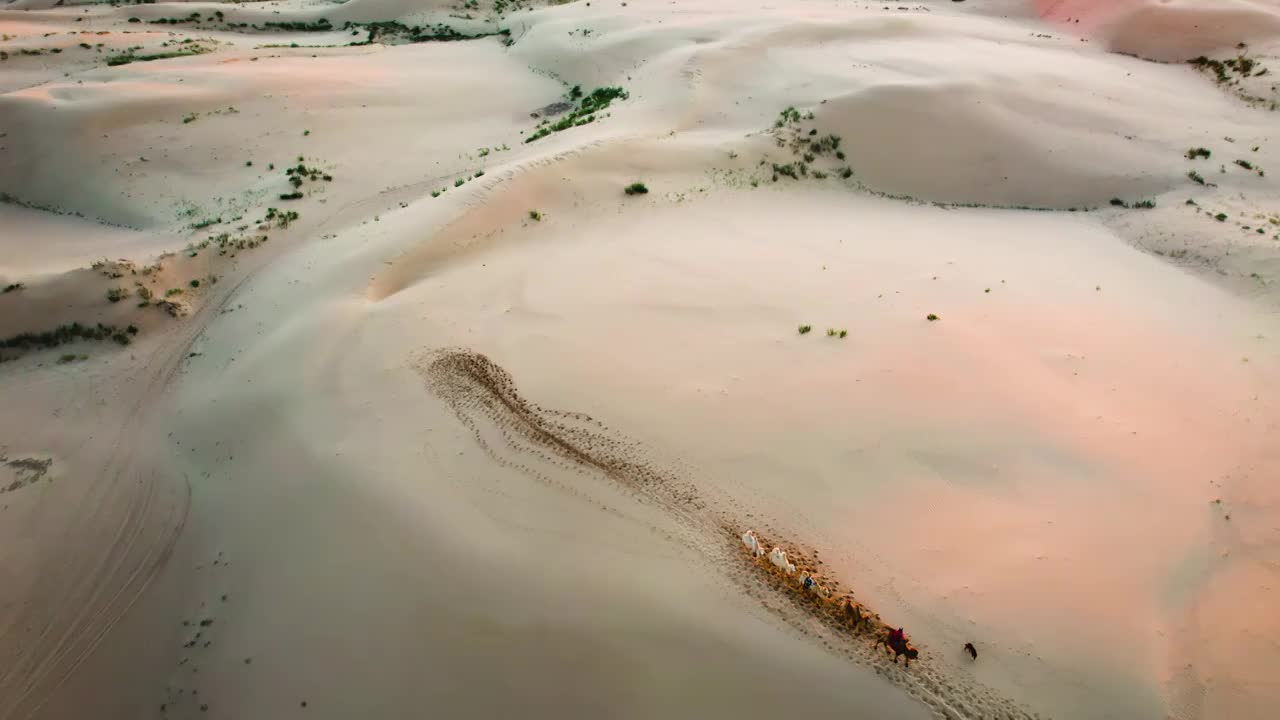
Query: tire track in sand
point(521, 434)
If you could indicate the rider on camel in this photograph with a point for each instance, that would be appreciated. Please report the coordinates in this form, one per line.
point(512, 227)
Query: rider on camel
point(897, 636)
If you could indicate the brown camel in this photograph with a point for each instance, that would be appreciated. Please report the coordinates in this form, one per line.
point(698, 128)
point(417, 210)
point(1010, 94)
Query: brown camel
point(854, 615)
point(899, 647)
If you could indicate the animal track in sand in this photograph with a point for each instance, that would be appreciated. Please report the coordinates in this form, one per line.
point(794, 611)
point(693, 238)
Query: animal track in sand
point(517, 433)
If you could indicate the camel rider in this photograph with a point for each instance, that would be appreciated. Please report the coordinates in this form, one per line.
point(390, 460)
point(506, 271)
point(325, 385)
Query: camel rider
point(897, 636)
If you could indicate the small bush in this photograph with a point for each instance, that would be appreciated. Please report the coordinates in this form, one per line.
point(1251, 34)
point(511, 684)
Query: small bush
point(1220, 217)
point(931, 317)
point(117, 294)
point(1244, 164)
point(194, 283)
point(1119, 203)
point(13, 287)
point(535, 216)
point(804, 329)
point(1196, 177)
point(172, 291)
point(295, 195)
point(459, 182)
point(1145, 204)
point(843, 334)
point(636, 188)
point(1199, 152)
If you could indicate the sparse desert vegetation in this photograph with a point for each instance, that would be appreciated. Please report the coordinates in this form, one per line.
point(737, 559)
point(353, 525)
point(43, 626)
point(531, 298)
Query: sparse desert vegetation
point(586, 112)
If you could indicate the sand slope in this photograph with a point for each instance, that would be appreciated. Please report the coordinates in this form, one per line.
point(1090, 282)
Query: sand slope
point(474, 432)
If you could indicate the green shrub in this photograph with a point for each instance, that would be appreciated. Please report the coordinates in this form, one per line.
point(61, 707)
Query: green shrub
point(1196, 177)
point(1198, 152)
point(636, 188)
point(931, 317)
point(117, 294)
point(535, 216)
point(804, 329)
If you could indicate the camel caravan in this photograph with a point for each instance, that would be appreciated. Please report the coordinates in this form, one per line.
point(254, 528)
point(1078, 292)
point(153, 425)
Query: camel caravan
point(823, 599)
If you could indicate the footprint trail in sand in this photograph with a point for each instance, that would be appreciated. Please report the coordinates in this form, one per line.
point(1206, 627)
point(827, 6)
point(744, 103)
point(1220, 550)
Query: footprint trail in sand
point(523, 435)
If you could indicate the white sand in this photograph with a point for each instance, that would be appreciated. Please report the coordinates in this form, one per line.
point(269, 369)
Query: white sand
point(1072, 467)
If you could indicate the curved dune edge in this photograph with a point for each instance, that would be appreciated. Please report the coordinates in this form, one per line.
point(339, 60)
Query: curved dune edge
point(517, 433)
point(1167, 31)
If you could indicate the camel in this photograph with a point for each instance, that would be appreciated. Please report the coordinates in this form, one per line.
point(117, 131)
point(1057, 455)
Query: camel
point(855, 616)
point(899, 648)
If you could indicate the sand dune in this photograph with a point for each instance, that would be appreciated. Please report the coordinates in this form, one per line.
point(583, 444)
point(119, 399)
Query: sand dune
point(343, 378)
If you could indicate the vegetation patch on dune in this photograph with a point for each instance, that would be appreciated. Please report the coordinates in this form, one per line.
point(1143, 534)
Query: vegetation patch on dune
point(393, 32)
point(132, 57)
point(68, 333)
point(586, 111)
point(1231, 72)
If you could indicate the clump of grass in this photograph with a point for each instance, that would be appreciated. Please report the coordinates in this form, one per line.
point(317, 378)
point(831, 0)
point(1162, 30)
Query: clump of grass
point(1119, 203)
point(636, 188)
point(1198, 152)
point(459, 182)
point(435, 193)
point(194, 283)
point(281, 219)
point(63, 334)
point(846, 173)
point(843, 334)
point(931, 317)
point(479, 173)
point(789, 170)
point(1196, 177)
point(295, 195)
point(599, 99)
point(790, 115)
point(117, 294)
point(13, 287)
point(804, 329)
point(535, 216)
point(172, 291)
point(1220, 217)
point(1145, 204)
point(1244, 164)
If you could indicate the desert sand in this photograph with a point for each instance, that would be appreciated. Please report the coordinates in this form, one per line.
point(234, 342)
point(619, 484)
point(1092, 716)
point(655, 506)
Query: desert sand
point(344, 377)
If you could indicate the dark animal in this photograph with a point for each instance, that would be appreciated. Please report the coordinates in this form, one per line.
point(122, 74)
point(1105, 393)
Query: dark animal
point(973, 651)
point(899, 647)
